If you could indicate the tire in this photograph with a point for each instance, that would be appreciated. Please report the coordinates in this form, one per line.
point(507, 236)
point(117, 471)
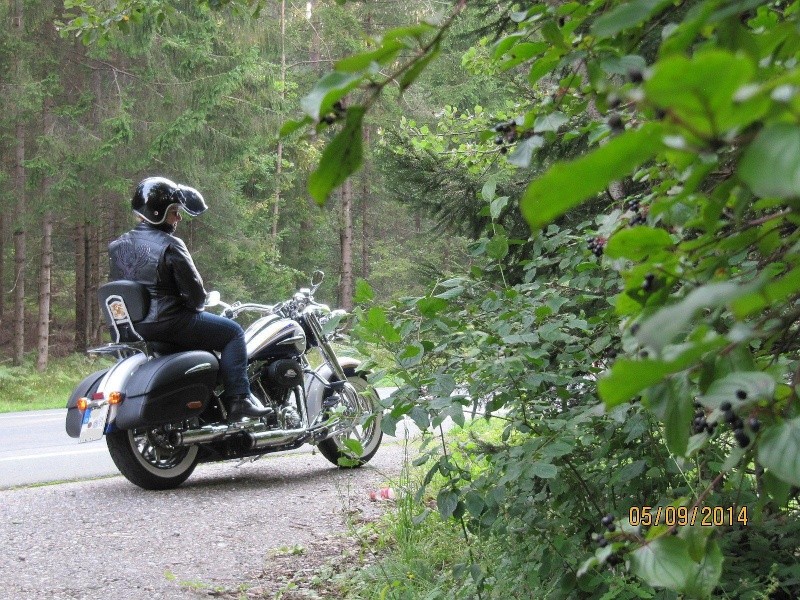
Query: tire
point(146, 461)
point(370, 436)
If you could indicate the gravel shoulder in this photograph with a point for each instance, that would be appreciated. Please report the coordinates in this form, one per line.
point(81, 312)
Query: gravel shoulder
point(246, 531)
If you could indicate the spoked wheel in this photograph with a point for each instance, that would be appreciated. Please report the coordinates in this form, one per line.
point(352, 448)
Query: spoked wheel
point(147, 459)
point(367, 434)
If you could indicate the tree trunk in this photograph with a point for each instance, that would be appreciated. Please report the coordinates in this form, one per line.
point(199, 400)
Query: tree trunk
point(19, 297)
point(20, 181)
point(346, 238)
point(2, 266)
point(366, 198)
point(92, 282)
point(44, 292)
point(80, 288)
point(279, 165)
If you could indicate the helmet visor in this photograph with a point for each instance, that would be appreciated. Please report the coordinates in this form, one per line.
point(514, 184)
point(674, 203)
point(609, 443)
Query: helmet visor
point(192, 201)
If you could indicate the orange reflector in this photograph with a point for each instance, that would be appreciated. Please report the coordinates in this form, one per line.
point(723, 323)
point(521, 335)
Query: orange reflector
point(115, 397)
point(82, 403)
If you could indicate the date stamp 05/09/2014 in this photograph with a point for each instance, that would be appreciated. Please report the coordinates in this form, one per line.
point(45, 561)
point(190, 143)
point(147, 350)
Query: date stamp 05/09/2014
point(672, 516)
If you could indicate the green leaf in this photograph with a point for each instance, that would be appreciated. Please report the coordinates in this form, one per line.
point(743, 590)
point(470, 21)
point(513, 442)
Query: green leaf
point(411, 355)
point(523, 151)
point(418, 67)
point(354, 446)
point(543, 470)
point(627, 15)
point(567, 184)
point(664, 562)
point(497, 248)
point(756, 386)
point(446, 501)
point(681, 86)
point(359, 62)
point(389, 424)
point(474, 503)
point(290, 126)
point(488, 190)
point(629, 377)
point(664, 326)
point(497, 206)
point(341, 158)
point(629, 472)
point(363, 292)
point(327, 91)
point(778, 451)
point(679, 410)
point(377, 325)
point(637, 243)
point(549, 122)
point(429, 307)
point(706, 577)
point(769, 165)
point(771, 294)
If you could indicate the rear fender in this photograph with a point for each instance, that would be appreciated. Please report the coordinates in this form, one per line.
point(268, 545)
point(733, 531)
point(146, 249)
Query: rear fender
point(117, 379)
point(316, 391)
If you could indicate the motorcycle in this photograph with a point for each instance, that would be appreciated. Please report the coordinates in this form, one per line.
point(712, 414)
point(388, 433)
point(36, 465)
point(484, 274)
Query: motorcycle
point(160, 407)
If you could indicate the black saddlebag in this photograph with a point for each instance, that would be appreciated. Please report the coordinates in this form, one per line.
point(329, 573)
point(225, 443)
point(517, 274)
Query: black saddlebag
point(168, 389)
point(85, 388)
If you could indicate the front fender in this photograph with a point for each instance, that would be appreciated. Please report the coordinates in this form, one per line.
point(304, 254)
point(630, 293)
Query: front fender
point(316, 390)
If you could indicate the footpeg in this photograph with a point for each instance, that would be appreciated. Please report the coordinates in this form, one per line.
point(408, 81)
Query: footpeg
point(331, 401)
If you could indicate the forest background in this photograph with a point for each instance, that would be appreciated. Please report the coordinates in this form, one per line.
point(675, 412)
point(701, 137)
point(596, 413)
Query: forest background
point(578, 218)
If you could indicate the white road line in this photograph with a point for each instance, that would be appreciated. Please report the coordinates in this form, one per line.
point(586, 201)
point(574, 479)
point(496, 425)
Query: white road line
point(52, 454)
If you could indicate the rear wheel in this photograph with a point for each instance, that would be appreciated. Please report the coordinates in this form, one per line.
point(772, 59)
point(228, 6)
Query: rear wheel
point(368, 434)
point(147, 459)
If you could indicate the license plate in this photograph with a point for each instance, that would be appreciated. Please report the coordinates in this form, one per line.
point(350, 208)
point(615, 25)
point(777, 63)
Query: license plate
point(94, 423)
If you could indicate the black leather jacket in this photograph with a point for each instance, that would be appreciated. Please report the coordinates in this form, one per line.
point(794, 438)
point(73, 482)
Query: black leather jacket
point(163, 264)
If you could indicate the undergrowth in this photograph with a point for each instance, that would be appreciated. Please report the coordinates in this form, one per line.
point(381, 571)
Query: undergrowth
point(25, 388)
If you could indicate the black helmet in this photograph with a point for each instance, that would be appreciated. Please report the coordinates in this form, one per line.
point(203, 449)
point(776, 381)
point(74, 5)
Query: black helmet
point(154, 196)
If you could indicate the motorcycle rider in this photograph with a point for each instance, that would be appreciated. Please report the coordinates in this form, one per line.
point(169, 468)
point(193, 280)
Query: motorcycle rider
point(150, 254)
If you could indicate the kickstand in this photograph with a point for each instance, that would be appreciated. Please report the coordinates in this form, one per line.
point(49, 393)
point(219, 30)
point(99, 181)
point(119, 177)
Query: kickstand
point(246, 459)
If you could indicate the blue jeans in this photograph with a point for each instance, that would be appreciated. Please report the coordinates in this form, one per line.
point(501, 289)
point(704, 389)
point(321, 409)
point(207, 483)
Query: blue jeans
point(206, 331)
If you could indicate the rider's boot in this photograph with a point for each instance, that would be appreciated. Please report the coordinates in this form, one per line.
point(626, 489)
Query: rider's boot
point(246, 405)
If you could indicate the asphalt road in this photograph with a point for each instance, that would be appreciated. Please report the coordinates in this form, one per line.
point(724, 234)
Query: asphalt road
point(232, 530)
point(35, 448)
point(229, 531)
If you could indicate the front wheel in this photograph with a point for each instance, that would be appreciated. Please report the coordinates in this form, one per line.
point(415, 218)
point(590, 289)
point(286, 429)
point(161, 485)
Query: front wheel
point(367, 434)
point(147, 459)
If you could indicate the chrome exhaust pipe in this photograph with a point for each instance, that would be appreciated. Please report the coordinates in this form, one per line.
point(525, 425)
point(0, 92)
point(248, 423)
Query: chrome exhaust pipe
point(211, 433)
point(279, 437)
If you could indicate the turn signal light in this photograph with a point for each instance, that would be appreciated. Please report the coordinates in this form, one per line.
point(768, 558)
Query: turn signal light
point(115, 397)
point(83, 404)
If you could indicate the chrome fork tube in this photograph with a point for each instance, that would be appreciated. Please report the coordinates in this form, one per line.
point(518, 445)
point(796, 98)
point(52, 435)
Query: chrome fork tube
point(324, 346)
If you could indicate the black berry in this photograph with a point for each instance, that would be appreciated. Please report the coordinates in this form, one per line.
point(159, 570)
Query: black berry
point(636, 75)
point(607, 520)
point(615, 122)
point(741, 394)
point(725, 406)
point(647, 284)
point(741, 438)
point(602, 542)
point(754, 424)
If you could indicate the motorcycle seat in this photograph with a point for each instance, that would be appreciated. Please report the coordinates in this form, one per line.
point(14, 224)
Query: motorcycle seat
point(163, 348)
